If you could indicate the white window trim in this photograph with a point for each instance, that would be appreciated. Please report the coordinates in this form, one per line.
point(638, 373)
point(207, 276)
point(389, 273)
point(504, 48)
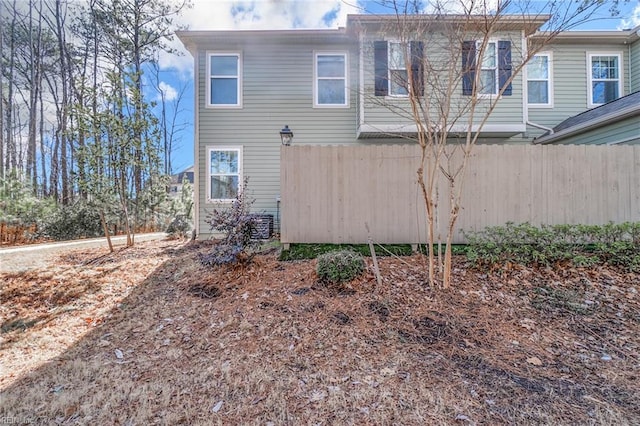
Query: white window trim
point(209, 76)
point(389, 69)
point(211, 148)
point(590, 103)
point(479, 69)
point(316, 78)
point(549, 104)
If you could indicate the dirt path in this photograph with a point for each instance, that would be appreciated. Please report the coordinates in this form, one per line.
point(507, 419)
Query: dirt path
point(24, 258)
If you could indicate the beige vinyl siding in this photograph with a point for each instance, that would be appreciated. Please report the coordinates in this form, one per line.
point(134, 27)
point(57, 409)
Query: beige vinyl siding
point(277, 80)
point(635, 66)
point(570, 82)
point(625, 131)
point(389, 110)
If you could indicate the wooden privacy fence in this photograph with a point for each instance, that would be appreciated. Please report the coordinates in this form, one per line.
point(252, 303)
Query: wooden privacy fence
point(333, 194)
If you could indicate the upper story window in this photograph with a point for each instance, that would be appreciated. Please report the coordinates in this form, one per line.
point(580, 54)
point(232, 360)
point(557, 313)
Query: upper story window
point(489, 69)
point(605, 84)
point(331, 80)
point(224, 173)
point(494, 67)
point(398, 75)
point(225, 80)
point(539, 87)
point(391, 68)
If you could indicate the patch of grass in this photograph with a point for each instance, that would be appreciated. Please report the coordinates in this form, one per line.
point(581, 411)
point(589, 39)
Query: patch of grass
point(311, 251)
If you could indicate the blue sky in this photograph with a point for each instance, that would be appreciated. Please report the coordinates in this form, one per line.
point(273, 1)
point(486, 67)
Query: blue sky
point(176, 71)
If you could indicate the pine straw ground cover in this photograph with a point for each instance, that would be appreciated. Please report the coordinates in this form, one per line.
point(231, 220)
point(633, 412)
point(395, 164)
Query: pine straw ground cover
point(149, 336)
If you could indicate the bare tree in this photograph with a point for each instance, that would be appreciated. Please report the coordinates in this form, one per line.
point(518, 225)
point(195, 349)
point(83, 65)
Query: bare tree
point(459, 62)
point(10, 147)
point(170, 109)
point(1, 91)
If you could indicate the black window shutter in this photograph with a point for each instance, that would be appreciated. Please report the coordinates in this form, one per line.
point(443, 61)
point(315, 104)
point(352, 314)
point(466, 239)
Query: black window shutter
point(417, 68)
point(504, 63)
point(381, 68)
point(468, 66)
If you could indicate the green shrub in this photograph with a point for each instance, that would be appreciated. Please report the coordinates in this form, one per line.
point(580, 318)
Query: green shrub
point(585, 261)
point(71, 222)
point(583, 245)
point(180, 212)
point(340, 266)
point(179, 227)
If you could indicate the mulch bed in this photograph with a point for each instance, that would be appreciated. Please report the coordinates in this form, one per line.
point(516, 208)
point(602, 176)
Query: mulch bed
point(267, 343)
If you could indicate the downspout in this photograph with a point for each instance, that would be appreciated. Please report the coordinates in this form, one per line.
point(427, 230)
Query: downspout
point(540, 126)
point(629, 67)
point(525, 104)
point(360, 87)
point(196, 143)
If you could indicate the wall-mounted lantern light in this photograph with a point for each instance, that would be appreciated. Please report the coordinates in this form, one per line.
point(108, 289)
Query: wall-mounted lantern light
point(286, 135)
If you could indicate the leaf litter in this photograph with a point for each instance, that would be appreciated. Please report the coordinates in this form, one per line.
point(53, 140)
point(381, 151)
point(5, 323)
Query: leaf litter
point(148, 335)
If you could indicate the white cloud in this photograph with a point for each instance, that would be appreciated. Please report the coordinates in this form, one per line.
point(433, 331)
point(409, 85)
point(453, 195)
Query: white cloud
point(170, 93)
point(255, 15)
point(267, 14)
point(633, 20)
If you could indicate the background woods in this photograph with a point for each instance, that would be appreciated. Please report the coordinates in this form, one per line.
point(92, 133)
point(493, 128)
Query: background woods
point(85, 127)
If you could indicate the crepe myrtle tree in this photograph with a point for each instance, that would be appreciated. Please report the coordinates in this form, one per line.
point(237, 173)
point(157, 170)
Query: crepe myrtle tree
point(460, 61)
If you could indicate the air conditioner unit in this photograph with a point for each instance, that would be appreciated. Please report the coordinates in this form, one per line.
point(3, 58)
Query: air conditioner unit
point(262, 226)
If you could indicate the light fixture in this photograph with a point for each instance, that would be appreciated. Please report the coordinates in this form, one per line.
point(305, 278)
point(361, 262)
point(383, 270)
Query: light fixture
point(286, 135)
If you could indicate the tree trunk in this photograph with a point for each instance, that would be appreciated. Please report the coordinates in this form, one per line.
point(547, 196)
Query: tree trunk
point(1, 93)
point(62, 124)
point(11, 149)
point(105, 228)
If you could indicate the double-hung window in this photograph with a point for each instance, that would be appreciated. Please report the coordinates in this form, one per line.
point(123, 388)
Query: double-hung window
point(539, 89)
point(331, 80)
point(398, 76)
point(225, 80)
point(224, 173)
point(392, 62)
point(605, 84)
point(494, 66)
point(489, 69)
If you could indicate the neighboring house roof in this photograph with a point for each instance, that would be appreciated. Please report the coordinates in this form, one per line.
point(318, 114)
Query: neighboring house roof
point(609, 113)
point(178, 178)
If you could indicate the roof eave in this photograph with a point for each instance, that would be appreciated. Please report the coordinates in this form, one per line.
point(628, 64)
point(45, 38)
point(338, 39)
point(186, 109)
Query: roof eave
point(529, 23)
point(613, 117)
point(290, 33)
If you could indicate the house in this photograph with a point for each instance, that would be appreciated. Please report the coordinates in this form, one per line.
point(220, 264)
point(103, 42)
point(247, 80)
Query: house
point(349, 86)
point(178, 180)
point(615, 122)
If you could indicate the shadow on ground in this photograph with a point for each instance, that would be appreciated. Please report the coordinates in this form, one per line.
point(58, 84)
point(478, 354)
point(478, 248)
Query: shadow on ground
point(266, 344)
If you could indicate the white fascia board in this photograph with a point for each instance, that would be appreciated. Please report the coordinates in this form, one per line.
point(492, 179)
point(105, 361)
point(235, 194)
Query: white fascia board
point(393, 129)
